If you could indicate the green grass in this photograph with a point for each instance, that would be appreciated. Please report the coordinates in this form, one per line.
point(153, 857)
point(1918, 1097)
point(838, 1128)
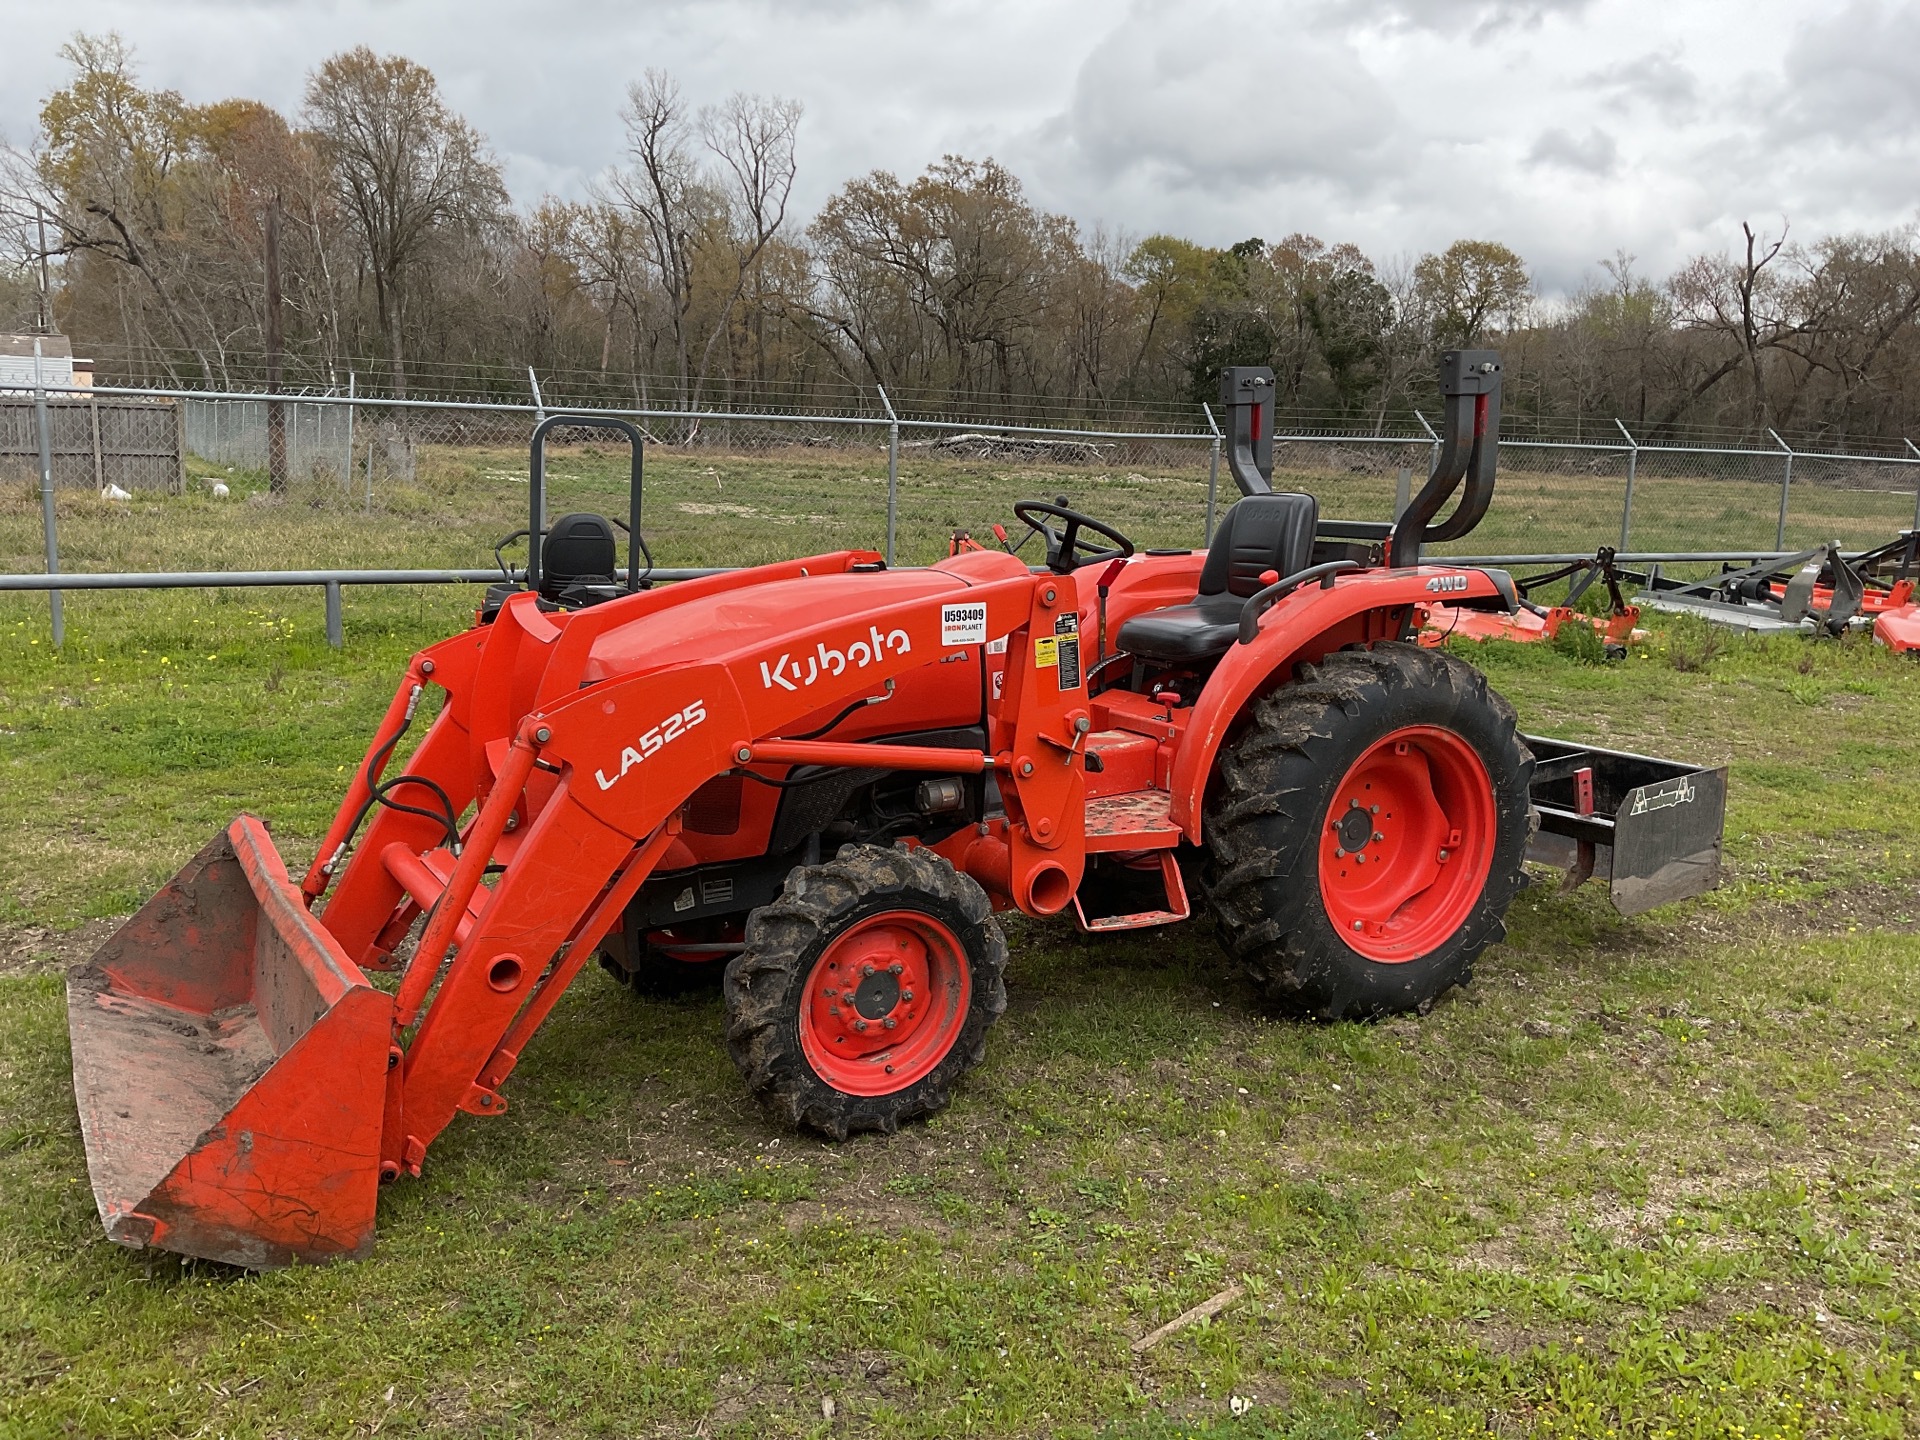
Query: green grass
point(1649, 1177)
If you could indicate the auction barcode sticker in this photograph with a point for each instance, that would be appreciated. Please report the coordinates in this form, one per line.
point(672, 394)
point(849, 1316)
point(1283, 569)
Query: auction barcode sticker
point(964, 624)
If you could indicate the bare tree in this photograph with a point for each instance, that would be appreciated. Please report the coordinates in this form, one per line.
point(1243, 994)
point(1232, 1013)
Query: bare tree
point(706, 221)
point(405, 167)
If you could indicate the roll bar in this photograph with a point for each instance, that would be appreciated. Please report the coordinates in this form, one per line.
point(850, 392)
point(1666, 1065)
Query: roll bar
point(1246, 393)
point(537, 491)
point(1469, 451)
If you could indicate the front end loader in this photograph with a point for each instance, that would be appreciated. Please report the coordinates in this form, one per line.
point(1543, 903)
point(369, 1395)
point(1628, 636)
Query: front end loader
point(818, 783)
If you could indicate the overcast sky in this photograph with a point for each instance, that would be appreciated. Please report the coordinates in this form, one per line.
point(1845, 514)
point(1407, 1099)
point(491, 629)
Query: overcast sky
point(1569, 129)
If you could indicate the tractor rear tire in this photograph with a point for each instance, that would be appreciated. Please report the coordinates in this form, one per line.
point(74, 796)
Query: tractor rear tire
point(1395, 757)
point(866, 990)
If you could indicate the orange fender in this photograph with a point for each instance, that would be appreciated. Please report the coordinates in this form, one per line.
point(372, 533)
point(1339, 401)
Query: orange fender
point(1303, 627)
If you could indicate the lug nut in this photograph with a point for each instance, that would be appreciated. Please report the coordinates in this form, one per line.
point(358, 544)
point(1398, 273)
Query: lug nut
point(833, 1009)
point(860, 1025)
point(1443, 857)
point(1338, 853)
point(895, 968)
point(829, 992)
point(890, 1022)
point(1358, 925)
point(866, 969)
point(906, 997)
point(1373, 809)
point(1378, 835)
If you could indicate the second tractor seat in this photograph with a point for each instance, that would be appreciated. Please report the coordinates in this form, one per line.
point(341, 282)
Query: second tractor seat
point(579, 557)
point(1260, 533)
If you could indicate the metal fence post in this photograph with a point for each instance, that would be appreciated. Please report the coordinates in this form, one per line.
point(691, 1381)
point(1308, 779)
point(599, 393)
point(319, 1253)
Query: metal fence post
point(1433, 459)
point(336, 634)
point(539, 415)
point(1213, 469)
point(1633, 470)
point(45, 426)
point(1916, 489)
point(346, 464)
point(1786, 484)
point(893, 469)
point(99, 463)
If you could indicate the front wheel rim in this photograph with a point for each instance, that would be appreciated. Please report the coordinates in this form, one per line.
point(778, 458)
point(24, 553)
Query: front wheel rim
point(884, 1003)
point(1406, 845)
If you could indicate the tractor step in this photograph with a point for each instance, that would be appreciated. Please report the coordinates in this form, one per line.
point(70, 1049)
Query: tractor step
point(1136, 820)
point(1177, 907)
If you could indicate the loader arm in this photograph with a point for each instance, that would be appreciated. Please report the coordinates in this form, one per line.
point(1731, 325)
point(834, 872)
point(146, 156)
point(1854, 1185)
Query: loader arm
point(546, 790)
point(630, 752)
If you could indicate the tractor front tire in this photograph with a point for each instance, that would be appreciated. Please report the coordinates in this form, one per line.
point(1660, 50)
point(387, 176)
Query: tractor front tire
point(866, 990)
point(1366, 832)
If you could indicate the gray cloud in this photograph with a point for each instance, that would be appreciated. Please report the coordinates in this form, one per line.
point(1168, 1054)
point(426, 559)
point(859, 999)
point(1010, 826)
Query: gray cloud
point(1154, 99)
point(1855, 73)
point(1659, 81)
point(1591, 154)
point(1399, 124)
point(1478, 17)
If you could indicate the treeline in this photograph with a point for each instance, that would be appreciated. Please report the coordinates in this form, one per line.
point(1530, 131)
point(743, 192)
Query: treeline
point(371, 233)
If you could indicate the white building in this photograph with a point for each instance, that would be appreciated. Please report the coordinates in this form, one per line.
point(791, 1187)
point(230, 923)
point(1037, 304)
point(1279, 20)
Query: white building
point(57, 366)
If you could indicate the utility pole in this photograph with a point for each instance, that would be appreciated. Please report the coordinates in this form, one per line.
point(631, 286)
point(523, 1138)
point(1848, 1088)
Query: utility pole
point(276, 414)
point(46, 302)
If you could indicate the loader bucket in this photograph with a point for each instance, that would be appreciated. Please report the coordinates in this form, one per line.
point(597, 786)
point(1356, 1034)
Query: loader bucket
point(229, 1063)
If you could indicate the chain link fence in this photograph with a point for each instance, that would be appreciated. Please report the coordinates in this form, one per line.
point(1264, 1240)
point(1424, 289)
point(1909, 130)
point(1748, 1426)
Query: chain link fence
point(783, 483)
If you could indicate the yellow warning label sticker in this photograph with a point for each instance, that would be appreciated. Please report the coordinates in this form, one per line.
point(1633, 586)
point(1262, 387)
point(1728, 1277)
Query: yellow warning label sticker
point(1046, 652)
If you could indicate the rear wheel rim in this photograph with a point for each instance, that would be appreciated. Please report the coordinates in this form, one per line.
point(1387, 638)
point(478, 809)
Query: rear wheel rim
point(1407, 843)
point(902, 966)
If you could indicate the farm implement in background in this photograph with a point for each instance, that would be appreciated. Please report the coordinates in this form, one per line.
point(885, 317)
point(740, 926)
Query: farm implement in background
point(1531, 623)
point(819, 781)
point(1819, 591)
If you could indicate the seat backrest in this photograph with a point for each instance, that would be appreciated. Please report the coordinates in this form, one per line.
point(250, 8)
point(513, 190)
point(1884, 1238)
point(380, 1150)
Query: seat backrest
point(580, 548)
point(1260, 533)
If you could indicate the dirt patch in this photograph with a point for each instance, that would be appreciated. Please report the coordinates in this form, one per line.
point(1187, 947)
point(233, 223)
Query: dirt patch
point(36, 950)
point(1892, 909)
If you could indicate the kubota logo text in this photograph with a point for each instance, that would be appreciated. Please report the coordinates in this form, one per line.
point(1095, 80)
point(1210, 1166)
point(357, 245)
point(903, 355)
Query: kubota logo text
point(790, 674)
point(656, 739)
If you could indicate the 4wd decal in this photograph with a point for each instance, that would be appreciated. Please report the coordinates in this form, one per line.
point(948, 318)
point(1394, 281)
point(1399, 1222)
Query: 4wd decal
point(653, 741)
point(786, 673)
point(1440, 584)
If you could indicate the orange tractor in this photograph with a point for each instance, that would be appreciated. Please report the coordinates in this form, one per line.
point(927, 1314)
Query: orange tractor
point(822, 779)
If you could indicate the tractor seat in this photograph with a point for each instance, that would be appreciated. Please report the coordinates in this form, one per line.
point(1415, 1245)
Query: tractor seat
point(1261, 533)
point(579, 560)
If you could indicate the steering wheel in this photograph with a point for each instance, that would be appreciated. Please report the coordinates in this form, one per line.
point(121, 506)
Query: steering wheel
point(1067, 551)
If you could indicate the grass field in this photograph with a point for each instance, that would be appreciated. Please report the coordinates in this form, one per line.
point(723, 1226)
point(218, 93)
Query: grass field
point(1650, 1177)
